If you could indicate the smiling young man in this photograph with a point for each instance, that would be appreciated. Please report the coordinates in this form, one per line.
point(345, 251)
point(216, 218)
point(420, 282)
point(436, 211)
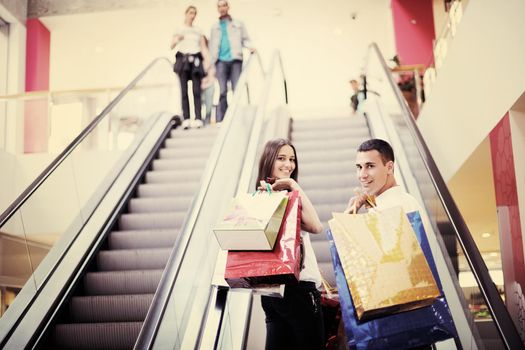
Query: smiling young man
point(375, 172)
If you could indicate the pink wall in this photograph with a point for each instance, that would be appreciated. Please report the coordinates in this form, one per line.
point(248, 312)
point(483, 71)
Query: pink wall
point(414, 31)
point(508, 215)
point(37, 78)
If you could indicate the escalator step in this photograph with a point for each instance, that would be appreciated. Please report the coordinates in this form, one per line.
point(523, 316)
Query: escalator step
point(178, 142)
point(322, 155)
point(335, 194)
point(184, 153)
point(173, 176)
point(168, 164)
point(325, 210)
point(357, 133)
point(325, 144)
point(326, 124)
point(203, 133)
point(110, 308)
point(121, 282)
point(97, 336)
point(142, 239)
point(343, 167)
point(145, 221)
point(133, 259)
point(167, 190)
point(321, 181)
point(163, 204)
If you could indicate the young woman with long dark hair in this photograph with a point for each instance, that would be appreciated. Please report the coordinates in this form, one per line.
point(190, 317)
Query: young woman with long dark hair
point(296, 320)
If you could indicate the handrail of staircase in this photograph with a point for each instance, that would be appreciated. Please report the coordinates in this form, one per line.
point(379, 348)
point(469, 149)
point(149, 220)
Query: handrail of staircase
point(55, 164)
point(499, 312)
point(41, 178)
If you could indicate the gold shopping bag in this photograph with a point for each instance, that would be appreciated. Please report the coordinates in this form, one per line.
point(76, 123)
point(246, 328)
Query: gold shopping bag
point(383, 263)
point(252, 221)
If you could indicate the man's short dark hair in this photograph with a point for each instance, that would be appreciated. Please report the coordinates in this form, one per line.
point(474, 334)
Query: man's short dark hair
point(383, 147)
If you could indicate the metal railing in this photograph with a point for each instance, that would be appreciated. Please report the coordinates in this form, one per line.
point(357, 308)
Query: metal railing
point(78, 180)
point(450, 219)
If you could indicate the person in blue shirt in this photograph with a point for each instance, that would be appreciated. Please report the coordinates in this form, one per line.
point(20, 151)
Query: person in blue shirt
point(227, 39)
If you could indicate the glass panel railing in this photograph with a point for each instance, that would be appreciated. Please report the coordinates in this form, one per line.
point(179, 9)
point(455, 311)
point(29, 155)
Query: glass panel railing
point(479, 313)
point(94, 141)
point(181, 299)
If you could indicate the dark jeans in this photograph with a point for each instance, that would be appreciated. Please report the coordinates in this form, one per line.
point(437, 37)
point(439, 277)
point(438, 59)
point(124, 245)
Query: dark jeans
point(226, 71)
point(184, 77)
point(295, 321)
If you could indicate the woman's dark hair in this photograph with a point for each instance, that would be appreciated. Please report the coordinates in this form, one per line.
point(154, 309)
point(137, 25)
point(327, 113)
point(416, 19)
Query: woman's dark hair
point(383, 147)
point(268, 157)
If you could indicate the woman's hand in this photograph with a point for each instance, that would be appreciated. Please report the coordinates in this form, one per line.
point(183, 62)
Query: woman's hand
point(285, 184)
point(279, 185)
point(309, 219)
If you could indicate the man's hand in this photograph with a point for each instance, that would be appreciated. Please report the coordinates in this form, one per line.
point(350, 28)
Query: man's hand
point(358, 200)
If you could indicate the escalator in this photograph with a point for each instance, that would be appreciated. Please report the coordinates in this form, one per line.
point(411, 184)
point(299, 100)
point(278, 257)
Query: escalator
point(326, 152)
point(111, 301)
point(129, 250)
point(179, 307)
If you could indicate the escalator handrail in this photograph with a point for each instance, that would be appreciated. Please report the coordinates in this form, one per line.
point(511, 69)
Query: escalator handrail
point(243, 186)
point(153, 319)
point(281, 67)
point(500, 314)
point(251, 149)
point(41, 178)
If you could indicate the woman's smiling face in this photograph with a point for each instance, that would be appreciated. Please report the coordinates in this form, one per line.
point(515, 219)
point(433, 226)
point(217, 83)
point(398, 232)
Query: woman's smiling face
point(284, 164)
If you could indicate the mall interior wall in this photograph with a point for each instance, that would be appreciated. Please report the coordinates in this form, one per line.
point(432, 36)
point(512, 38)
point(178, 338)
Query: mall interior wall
point(414, 28)
point(480, 80)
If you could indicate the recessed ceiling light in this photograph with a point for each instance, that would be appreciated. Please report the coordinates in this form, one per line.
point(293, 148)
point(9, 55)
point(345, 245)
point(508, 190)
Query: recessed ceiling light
point(337, 31)
point(493, 254)
point(485, 235)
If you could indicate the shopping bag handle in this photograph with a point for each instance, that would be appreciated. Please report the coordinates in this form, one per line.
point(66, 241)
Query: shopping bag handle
point(370, 202)
point(327, 287)
point(301, 246)
point(267, 187)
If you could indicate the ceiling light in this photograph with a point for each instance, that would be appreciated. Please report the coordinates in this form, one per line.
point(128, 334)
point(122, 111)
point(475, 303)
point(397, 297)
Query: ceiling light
point(493, 254)
point(337, 31)
point(486, 235)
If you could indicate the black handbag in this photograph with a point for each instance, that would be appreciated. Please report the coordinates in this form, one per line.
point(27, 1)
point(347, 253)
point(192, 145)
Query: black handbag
point(180, 60)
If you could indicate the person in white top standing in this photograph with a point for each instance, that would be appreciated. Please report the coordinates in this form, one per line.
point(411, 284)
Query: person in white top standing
point(296, 320)
point(191, 63)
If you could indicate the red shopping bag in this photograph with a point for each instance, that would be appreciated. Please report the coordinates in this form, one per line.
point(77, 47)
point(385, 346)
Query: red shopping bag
point(282, 265)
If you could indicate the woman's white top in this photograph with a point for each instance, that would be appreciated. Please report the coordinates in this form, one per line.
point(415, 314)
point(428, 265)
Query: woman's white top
point(190, 44)
point(310, 272)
